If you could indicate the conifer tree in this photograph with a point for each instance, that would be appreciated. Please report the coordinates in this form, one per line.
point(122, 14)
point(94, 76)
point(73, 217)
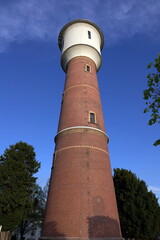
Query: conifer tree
point(17, 168)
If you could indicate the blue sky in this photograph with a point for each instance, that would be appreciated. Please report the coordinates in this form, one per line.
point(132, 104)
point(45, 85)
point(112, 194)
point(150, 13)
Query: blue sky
point(32, 80)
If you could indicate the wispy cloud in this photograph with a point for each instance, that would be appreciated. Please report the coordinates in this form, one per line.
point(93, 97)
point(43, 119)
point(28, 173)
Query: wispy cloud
point(23, 20)
point(154, 189)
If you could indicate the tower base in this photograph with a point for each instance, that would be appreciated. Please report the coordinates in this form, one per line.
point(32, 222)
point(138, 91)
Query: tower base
point(79, 238)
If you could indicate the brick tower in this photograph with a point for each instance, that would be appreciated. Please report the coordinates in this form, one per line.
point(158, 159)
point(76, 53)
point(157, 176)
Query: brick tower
point(81, 201)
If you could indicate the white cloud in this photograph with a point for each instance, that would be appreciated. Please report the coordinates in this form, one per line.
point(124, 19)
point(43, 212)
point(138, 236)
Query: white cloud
point(21, 20)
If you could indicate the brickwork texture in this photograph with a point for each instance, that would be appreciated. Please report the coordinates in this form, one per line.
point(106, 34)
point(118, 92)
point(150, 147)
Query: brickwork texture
point(81, 200)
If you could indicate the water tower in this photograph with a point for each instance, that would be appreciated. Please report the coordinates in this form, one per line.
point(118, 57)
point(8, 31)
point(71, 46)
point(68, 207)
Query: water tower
point(81, 201)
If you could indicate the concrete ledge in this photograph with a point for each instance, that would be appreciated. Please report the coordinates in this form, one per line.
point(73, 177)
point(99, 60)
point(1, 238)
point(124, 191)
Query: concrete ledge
point(81, 128)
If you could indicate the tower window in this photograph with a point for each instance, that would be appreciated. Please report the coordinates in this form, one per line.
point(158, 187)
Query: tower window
point(87, 68)
point(89, 34)
point(92, 117)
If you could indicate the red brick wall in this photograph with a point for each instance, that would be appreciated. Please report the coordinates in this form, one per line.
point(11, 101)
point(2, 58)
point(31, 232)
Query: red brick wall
point(81, 95)
point(81, 201)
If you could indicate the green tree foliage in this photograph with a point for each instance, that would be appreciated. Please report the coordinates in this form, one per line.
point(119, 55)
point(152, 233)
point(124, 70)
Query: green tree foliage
point(17, 168)
point(152, 94)
point(33, 218)
point(139, 210)
point(45, 190)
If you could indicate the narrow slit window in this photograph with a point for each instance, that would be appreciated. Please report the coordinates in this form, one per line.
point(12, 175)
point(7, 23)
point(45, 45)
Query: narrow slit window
point(92, 117)
point(88, 68)
point(89, 34)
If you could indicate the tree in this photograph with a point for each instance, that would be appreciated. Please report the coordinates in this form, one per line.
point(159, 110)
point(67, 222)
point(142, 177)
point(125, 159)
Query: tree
point(33, 218)
point(139, 210)
point(17, 168)
point(152, 94)
point(45, 190)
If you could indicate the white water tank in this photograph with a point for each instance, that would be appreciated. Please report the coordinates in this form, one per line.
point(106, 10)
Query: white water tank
point(81, 38)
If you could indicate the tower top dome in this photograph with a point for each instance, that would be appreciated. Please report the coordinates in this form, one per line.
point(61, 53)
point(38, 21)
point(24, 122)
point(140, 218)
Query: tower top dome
point(60, 37)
